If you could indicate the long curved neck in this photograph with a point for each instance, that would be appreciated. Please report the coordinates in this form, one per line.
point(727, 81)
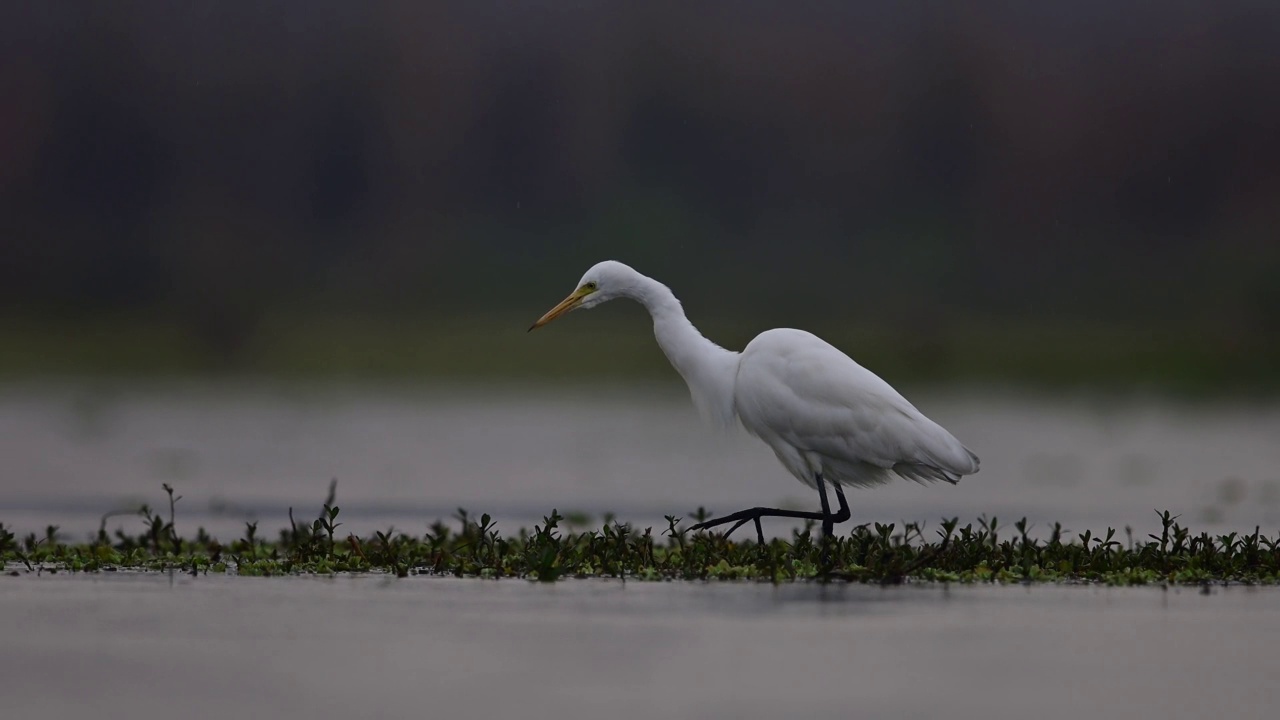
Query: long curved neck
point(708, 369)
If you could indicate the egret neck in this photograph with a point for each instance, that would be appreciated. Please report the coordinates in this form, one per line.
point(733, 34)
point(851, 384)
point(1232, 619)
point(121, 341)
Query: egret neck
point(708, 369)
point(827, 419)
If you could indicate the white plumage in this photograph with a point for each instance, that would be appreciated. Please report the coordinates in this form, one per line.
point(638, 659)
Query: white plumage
point(825, 416)
point(823, 413)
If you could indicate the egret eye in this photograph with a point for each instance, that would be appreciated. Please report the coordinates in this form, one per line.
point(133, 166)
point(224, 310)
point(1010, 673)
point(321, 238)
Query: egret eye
point(590, 286)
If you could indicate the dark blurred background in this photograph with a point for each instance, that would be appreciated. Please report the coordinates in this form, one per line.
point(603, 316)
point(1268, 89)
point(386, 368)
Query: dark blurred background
point(1047, 192)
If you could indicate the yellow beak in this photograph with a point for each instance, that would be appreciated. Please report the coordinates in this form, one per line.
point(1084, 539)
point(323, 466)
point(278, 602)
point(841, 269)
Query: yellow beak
point(565, 306)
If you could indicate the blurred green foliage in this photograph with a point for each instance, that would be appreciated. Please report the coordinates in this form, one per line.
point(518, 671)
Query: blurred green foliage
point(617, 343)
point(1056, 192)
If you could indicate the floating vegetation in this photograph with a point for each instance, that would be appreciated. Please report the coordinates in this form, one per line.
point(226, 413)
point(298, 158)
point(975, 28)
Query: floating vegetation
point(471, 546)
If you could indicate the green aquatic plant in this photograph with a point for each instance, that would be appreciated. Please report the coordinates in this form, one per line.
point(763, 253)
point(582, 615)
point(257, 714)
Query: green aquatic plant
point(977, 552)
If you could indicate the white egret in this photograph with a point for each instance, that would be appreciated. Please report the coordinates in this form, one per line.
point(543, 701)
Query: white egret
point(827, 418)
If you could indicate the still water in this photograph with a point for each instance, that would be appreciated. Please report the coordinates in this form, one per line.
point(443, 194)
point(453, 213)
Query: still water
point(408, 455)
point(160, 646)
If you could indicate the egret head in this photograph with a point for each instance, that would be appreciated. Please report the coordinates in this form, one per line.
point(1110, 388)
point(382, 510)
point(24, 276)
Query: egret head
point(603, 282)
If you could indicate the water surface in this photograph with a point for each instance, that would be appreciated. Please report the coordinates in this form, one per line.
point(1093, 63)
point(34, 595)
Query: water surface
point(406, 455)
point(166, 646)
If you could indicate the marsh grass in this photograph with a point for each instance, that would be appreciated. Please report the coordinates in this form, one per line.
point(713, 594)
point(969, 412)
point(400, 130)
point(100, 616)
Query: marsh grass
point(470, 546)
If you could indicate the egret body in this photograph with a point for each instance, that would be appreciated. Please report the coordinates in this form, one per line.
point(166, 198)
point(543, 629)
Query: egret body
point(827, 418)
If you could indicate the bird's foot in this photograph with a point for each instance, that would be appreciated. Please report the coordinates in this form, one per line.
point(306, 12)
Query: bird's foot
point(741, 517)
point(743, 521)
point(738, 519)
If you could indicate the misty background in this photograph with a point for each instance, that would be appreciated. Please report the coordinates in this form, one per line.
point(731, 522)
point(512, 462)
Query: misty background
point(251, 247)
point(1081, 192)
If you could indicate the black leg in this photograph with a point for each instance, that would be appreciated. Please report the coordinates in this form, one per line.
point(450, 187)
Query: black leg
point(844, 513)
point(828, 518)
point(828, 527)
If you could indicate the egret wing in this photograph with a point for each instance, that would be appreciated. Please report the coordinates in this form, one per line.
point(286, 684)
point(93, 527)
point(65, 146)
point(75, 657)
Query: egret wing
point(800, 390)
